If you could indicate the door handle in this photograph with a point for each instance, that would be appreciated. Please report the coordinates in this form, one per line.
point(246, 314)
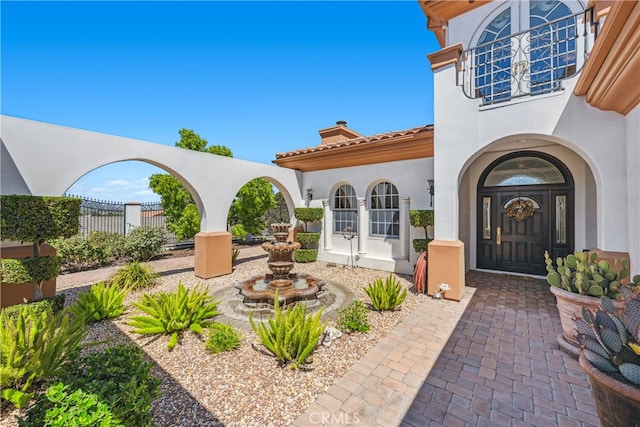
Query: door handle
point(498, 236)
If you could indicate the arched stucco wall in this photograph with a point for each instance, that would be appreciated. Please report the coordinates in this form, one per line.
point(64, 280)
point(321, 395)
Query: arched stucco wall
point(50, 158)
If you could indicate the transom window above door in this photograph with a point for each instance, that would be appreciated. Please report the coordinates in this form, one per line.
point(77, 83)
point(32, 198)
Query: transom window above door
point(526, 170)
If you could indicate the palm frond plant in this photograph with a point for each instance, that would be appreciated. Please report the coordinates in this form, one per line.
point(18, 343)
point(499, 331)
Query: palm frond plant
point(172, 313)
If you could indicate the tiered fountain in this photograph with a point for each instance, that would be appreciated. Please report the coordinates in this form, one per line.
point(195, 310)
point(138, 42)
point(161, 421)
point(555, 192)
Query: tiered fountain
point(259, 291)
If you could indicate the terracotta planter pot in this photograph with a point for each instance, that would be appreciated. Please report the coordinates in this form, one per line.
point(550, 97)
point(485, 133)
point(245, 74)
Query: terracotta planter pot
point(618, 404)
point(570, 307)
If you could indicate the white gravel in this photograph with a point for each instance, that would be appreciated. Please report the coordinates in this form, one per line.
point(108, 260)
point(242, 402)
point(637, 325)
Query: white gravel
point(245, 387)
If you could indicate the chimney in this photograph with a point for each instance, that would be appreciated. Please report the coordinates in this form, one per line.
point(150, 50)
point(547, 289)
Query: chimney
point(338, 133)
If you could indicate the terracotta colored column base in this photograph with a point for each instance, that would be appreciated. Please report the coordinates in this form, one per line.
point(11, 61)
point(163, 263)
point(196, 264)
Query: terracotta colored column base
point(212, 254)
point(446, 265)
point(18, 293)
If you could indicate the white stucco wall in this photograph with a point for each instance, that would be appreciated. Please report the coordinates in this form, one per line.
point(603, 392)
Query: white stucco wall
point(46, 159)
point(410, 178)
point(599, 147)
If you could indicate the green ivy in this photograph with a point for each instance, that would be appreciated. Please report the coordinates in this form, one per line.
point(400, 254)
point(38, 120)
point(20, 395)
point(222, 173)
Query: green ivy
point(60, 407)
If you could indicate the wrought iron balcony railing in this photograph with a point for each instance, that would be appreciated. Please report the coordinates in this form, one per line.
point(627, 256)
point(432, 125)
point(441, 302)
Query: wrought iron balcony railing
point(528, 63)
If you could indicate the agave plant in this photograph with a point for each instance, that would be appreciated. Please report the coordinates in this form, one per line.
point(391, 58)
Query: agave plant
point(612, 344)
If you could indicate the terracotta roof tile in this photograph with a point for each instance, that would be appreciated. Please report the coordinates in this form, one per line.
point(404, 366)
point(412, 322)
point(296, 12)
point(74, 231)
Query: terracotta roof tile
point(355, 141)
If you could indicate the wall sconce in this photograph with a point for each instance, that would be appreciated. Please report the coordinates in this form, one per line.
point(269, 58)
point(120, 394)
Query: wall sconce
point(431, 189)
point(309, 196)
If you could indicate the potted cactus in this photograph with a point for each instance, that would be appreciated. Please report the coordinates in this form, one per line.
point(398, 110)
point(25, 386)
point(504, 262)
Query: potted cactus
point(578, 281)
point(610, 356)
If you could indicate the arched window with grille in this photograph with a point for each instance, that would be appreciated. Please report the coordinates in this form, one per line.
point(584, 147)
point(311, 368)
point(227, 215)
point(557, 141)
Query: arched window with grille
point(345, 209)
point(384, 210)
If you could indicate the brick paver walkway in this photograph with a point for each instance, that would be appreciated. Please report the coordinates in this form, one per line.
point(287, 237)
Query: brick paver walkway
point(490, 360)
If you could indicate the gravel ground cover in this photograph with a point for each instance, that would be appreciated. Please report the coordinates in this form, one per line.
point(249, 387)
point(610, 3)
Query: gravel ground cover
point(244, 387)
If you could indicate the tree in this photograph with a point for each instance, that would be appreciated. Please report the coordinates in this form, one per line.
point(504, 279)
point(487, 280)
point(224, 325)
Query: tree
point(253, 200)
point(183, 218)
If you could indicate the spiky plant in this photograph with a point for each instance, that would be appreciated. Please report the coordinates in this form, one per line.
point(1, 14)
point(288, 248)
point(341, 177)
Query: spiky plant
point(291, 334)
point(134, 276)
point(101, 302)
point(172, 313)
point(386, 295)
point(612, 344)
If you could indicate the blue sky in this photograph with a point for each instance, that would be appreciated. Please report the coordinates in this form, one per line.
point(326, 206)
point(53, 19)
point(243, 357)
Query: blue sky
point(259, 77)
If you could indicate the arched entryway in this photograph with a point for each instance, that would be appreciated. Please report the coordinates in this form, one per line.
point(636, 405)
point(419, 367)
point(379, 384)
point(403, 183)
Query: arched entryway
point(525, 207)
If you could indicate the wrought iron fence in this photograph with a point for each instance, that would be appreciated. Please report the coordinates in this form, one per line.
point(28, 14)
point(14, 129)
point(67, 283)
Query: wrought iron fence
point(531, 62)
point(101, 215)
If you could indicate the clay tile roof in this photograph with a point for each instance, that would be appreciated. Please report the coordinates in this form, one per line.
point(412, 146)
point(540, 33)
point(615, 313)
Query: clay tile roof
point(388, 136)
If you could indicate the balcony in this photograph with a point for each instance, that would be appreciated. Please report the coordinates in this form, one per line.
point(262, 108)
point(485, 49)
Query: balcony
point(529, 63)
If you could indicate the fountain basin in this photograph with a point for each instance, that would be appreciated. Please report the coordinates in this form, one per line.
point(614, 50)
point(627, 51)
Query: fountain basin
point(261, 290)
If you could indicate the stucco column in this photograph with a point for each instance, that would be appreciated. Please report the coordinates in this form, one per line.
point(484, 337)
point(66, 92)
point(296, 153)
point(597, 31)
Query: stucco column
point(328, 224)
point(363, 226)
point(132, 213)
point(212, 254)
point(404, 227)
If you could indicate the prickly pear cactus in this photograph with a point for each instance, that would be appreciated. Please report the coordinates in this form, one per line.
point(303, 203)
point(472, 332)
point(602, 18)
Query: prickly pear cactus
point(610, 343)
point(580, 273)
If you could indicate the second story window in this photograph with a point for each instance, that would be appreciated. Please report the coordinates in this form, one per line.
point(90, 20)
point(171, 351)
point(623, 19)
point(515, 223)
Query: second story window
point(525, 49)
point(345, 209)
point(385, 210)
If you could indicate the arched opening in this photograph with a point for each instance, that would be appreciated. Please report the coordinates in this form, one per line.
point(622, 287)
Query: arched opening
point(525, 206)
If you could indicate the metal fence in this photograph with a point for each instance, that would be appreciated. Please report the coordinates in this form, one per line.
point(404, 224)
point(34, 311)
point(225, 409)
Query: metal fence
point(102, 215)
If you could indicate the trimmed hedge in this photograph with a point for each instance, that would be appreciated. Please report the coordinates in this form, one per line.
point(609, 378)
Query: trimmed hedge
point(39, 218)
point(305, 255)
point(421, 218)
point(56, 303)
point(421, 245)
point(307, 215)
point(308, 240)
point(30, 270)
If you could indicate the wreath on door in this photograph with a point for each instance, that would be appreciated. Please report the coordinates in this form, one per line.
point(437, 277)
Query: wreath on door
point(520, 209)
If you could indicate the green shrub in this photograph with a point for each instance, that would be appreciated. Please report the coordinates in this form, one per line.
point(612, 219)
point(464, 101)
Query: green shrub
point(76, 252)
point(118, 377)
point(386, 295)
point(100, 302)
point(134, 276)
point(56, 303)
point(292, 334)
point(305, 255)
point(353, 318)
point(60, 407)
point(144, 243)
point(222, 338)
point(308, 240)
point(30, 270)
point(175, 312)
point(307, 215)
point(34, 346)
point(107, 246)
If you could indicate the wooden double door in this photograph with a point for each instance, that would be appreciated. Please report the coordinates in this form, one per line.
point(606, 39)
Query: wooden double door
point(508, 244)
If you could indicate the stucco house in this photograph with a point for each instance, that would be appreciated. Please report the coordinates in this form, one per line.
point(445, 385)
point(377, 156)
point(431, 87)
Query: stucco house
point(536, 102)
point(535, 147)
